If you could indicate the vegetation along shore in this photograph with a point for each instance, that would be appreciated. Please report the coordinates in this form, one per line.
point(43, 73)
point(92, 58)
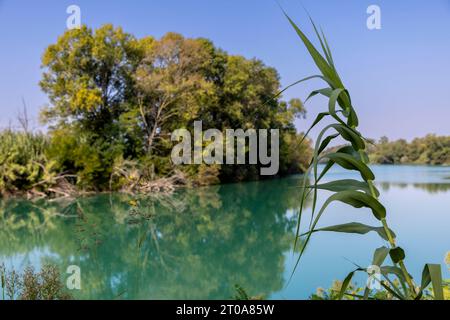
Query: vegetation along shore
point(115, 99)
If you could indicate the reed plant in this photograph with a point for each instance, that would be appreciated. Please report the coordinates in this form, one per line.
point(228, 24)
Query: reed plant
point(358, 193)
point(23, 163)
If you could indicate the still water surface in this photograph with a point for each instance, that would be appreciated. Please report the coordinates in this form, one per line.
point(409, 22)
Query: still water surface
point(197, 244)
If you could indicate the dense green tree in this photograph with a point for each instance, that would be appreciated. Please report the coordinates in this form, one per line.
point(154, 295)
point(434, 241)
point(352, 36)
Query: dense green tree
point(115, 98)
point(88, 75)
point(171, 86)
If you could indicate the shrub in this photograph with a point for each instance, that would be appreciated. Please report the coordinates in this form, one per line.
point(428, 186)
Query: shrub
point(23, 163)
point(44, 285)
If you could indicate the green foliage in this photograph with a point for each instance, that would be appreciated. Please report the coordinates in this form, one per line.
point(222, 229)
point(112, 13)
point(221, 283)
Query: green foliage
point(356, 193)
point(116, 98)
point(241, 294)
point(433, 150)
point(353, 292)
point(88, 76)
point(23, 163)
point(30, 285)
point(86, 154)
point(332, 293)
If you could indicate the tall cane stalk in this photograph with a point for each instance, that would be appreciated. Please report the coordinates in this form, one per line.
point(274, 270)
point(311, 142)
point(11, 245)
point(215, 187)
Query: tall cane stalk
point(361, 193)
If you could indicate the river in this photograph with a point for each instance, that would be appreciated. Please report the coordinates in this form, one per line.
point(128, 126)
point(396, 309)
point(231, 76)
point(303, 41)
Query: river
point(200, 243)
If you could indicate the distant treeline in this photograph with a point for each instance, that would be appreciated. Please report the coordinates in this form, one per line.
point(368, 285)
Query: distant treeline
point(115, 100)
point(431, 149)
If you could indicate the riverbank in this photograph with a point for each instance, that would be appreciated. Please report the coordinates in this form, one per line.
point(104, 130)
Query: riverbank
point(167, 186)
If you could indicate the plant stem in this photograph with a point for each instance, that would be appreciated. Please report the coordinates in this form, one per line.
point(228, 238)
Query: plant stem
point(391, 239)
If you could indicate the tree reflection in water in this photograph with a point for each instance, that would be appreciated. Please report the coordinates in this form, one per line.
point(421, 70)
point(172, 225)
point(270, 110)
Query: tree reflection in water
point(195, 244)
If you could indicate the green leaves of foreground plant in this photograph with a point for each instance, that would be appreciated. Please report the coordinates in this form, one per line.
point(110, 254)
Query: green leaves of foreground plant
point(353, 198)
point(355, 193)
point(328, 72)
point(345, 184)
point(432, 274)
point(347, 282)
point(355, 227)
point(350, 163)
point(357, 199)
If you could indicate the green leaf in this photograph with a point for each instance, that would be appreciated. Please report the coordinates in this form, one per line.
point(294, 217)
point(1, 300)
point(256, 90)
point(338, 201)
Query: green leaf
point(303, 197)
point(327, 71)
point(353, 119)
point(346, 283)
point(324, 171)
point(346, 184)
point(391, 291)
point(358, 200)
point(325, 92)
point(324, 48)
point(351, 163)
point(326, 142)
point(353, 198)
point(319, 118)
point(327, 48)
point(432, 274)
point(353, 227)
point(347, 134)
point(349, 150)
point(386, 270)
point(351, 136)
point(397, 254)
point(332, 103)
point(380, 255)
point(294, 84)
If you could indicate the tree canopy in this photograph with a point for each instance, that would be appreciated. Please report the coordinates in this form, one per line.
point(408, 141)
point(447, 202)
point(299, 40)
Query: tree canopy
point(114, 101)
point(114, 96)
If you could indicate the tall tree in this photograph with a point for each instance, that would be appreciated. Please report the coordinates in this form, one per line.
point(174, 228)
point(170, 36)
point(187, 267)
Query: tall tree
point(114, 97)
point(88, 75)
point(171, 84)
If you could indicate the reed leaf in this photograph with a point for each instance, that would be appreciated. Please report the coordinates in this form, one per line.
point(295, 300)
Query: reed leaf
point(328, 72)
point(319, 117)
point(432, 274)
point(355, 193)
point(346, 283)
point(325, 92)
point(351, 163)
point(353, 227)
point(380, 255)
point(346, 184)
point(387, 270)
point(353, 198)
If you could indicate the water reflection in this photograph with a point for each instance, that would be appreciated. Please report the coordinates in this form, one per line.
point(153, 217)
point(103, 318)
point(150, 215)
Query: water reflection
point(428, 187)
point(197, 244)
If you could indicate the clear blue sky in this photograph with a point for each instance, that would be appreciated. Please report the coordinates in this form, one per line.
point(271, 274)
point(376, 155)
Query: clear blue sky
point(398, 76)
